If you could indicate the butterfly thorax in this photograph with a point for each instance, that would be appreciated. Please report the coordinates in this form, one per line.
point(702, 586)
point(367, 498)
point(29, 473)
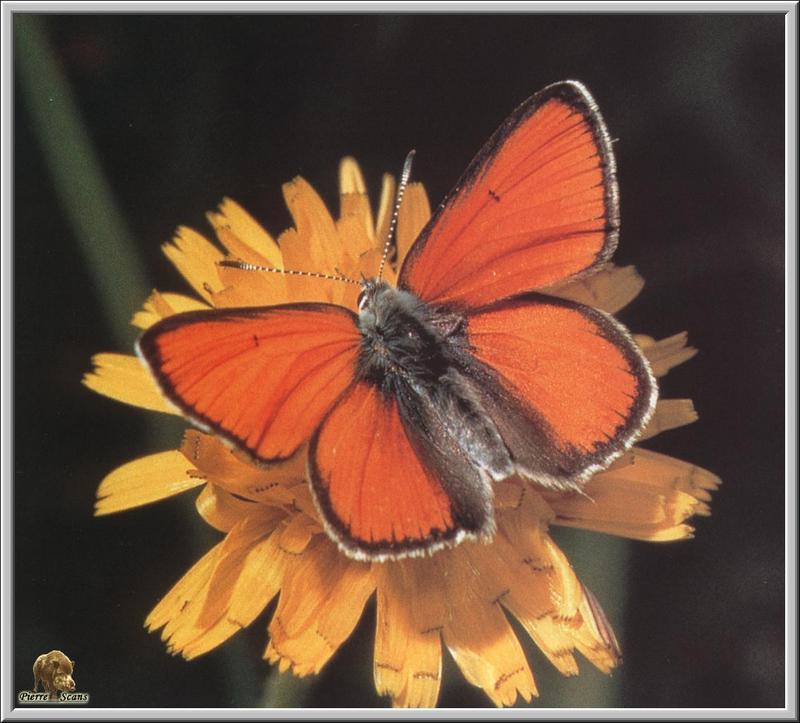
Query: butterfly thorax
point(400, 339)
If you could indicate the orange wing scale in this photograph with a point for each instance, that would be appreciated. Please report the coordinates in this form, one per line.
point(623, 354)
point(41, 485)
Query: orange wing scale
point(373, 490)
point(261, 378)
point(536, 206)
point(576, 367)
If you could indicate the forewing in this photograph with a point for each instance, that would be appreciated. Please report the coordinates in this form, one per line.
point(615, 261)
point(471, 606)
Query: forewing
point(566, 385)
point(379, 487)
point(537, 205)
point(262, 378)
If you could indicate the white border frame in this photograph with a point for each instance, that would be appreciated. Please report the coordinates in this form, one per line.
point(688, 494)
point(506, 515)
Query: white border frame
point(8, 709)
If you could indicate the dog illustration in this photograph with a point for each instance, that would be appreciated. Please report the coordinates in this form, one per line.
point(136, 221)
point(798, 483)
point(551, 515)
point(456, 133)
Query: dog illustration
point(54, 669)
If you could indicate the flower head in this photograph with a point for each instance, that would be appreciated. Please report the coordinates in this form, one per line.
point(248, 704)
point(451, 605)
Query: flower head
point(273, 541)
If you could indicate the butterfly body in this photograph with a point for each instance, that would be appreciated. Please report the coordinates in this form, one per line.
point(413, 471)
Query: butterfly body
point(465, 374)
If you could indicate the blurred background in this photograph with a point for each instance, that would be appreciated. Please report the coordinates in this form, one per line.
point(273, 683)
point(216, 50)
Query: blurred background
point(127, 126)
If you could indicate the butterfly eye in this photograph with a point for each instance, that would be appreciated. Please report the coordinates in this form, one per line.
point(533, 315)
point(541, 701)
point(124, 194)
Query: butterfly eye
point(362, 300)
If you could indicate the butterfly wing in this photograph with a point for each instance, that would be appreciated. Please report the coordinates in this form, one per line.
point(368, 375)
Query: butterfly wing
point(566, 385)
point(389, 482)
point(537, 205)
point(261, 378)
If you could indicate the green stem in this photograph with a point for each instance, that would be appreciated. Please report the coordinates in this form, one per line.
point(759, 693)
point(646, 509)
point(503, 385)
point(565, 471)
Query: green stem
point(83, 191)
point(284, 690)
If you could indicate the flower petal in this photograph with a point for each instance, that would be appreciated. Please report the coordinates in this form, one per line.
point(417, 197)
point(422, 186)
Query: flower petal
point(351, 180)
point(174, 604)
point(222, 465)
point(644, 495)
point(196, 258)
point(321, 601)
point(385, 210)
point(159, 306)
point(315, 241)
point(222, 510)
point(243, 236)
point(238, 543)
point(258, 582)
point(477, 632)
point(660, 471)
point(595, 638)
point(610, 289)
point(355, 208)
point(539, 586)
point(145, 480)
point(415, 211)
point(244, 574)
point(669, 414)
point(666, 353)
point(250, 287)
point(410, 617)
point(122, 377)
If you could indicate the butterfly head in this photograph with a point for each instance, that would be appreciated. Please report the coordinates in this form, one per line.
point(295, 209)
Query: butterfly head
point(368, 290)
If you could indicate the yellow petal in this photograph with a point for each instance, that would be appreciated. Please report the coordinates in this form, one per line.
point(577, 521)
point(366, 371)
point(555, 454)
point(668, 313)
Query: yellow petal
point(222, 510)
point(644, 496)
point(245, 576)
point(159, 306)
point(355, 233)
point(259, 581)
point(174, 604)
point(184, 627)
point(196, 258)
point(666, 353)
point(222, 465)
point(145, 480)
point(124, 378)
point(414, 214)
point(660, 472)
point(610, 289)
point(355, 207)
point(250, 287)
point(241, 539)
point(539, 586)
point(669, 414)
point(243, 236)
point(321, 601)
point(595, 637)
point(297, 533)
point(385, 210)
point(351, 180)
point(316, 242)
point(304, 288)
point(410, 617)
point(476, 631)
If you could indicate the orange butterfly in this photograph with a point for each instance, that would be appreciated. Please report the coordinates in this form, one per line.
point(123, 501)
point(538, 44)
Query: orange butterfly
point(465, 374)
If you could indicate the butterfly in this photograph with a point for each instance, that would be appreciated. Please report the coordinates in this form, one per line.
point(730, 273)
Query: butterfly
point(464, 374)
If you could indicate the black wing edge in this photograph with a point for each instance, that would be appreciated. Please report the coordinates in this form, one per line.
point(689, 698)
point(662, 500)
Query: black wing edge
point(578, 467)
point(149, 355)
point(578, 97)
point(382, 551)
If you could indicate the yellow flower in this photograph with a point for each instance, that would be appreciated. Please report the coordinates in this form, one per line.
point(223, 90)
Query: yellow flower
point(273, 541)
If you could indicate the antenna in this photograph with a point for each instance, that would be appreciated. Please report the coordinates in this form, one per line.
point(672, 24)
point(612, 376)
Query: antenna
point(401, 189)
point(244, 266)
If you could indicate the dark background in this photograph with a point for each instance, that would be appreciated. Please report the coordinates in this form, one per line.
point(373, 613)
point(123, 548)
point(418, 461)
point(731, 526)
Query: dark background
point(182, 110)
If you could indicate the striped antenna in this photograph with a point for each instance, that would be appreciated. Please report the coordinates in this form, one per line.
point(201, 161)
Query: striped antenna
point(244, 266)
point(401, 189)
